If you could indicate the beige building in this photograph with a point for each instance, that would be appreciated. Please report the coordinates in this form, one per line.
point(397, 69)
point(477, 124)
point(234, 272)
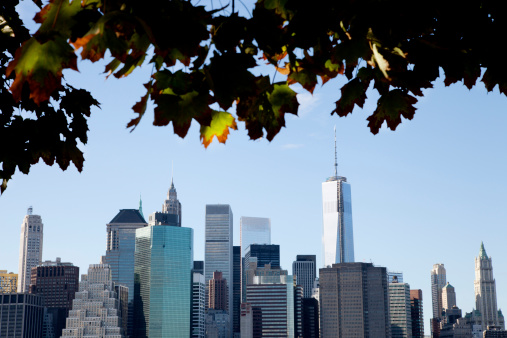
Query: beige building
point(8, 282)
point(448, 297)
point(30, 248)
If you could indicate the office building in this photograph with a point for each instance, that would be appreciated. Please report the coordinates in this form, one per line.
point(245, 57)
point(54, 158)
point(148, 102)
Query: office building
point(265, 254)
point(254, 230)
point(354, 301)
point(172, 205)
point(310, 318)
point(163, 281)
point(399, 310)
point(246, 321)
point(495, 332)
point(30, 248)
point(394, 276)
point(271, 297)
point(8, 282)
point(236, 289)
point(218, 254)
point(337, 234)
point(217, 324)
point(96, 306)
point(57, 282)
point(438, 281)
point(21, 315)
point(199, 267)
point(485, 290)
point(198, 304)
point(304, 269)
point(218, 292)
point(121, 239)
point(416, 313)
point(448, 297)
point(298, 310)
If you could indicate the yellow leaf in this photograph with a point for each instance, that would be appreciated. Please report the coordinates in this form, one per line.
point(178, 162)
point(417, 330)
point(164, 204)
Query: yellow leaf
point(219, 127)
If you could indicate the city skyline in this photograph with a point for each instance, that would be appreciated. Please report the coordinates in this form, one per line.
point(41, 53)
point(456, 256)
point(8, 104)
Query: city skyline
point(411, 188)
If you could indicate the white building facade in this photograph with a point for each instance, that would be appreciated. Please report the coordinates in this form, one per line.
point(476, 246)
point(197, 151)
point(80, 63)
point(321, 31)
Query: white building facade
point(30, 248)
point(400, 310)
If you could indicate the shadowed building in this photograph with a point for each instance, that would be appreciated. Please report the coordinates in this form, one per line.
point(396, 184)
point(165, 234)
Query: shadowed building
point(304, 269)
point(21, 315)
point(236, 290)
point(416, 310)
point(354, 301)
point(399, 310)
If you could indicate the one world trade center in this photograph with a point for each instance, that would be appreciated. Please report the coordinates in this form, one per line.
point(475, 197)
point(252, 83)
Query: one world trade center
point(337, 233)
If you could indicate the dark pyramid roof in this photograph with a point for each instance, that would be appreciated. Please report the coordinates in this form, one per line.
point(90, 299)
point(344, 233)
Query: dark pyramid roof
point(128, 216)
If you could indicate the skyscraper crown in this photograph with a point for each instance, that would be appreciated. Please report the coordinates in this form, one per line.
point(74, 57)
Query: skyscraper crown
point(482, 253)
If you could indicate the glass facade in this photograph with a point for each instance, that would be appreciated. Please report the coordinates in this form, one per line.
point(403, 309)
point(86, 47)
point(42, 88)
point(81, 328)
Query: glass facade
point(218, 254)
point(163, 284)
point(337, 235)
point(254, 230)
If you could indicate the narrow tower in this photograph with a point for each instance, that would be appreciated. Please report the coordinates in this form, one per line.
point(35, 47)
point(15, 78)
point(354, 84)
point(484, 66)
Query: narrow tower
point(337, 234)
point(485, 289)
point(30, 248)
point(172, 205)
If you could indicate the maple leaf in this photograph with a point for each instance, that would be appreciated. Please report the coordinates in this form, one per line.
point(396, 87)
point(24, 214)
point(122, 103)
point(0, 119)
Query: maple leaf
point(390, 108)
point(40, 65)
point(58, 15)
point(220, 124)
point(353, 93)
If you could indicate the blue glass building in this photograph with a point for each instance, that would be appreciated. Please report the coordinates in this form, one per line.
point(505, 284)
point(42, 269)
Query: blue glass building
point(163, 281)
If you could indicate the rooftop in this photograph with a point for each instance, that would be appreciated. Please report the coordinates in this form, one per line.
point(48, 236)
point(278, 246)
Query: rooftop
point(128, 216)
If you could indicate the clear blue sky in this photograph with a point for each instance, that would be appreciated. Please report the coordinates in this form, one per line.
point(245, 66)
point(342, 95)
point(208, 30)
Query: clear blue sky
point(427, 193)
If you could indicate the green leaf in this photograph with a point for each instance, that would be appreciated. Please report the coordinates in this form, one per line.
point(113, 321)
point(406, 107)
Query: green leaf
point(304, 77)
point(390, 108)
point(353, 93)
point(283, 100)
point(221, 122)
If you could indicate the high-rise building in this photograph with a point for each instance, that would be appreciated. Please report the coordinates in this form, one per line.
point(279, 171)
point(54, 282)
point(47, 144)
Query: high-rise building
point(310, 318)
point(448, 297)
point(218, 292)
point(265, 254)
point(57, 282)
point(272, 300)
point(30, 248)
point(21, 315)
point(8, 282)
point(121, 239)
point(337, 234)
point(394, 276)
point(96, 308)
point(172, 205)
point(354, 301)
point(218, 254)
point(254, 230)
point(298, 310)
point(416, 311)
point(163, 281)
point(246, 320)
point(198, 303)
point(304, 269)
point(399, 310)
point(236, 289)
point(438, 281)
point(485, 290)
point(199, 267)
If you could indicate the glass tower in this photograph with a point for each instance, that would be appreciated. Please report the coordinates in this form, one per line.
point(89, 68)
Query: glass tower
point(337, 234)
point(254, 230)
point(218, 254)
point(163, 281)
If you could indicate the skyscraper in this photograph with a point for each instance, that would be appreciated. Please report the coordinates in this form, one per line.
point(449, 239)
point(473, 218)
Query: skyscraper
point(354, 301)
point(172, 205)
point(438, 281)
point(30, 248)
point(448, 297)
point(96, 307)
point(236, 289)
point(218, 254)
point(57, 282)
point(121, 239)
point(485, 290)
point(265, 254)
point(399, 310)
point(198, 304)
point(21, 315)
point(254, 230)
point(416, 310)
point(304, 269)
point(163, 281)
point(337, 234)
point(218, 292)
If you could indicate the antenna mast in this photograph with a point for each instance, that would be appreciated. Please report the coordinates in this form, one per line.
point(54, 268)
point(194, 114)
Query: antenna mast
point(335, 155)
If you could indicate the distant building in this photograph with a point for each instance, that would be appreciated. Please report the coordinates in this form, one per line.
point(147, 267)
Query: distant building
point(21, 315)
point(448, 297)
point(96, 309)
point(298, 311)
point(246, 321)
point(8, 282)
point(121, 237)
point(236, 289)
point(253, 230)
point(399, 310)
point(217, 324)
point(438, 281)
point(304, 268)
point(310, 318)
point(218, 292)
point(30, 248)
point(337, 236)
point(172, 205)
point(57, 282)
point(198, 305)
point(495, 332)
point(262, 254)
point(163, 281)
point(416, 313)
point(485, 290)
point(354, 301)
point(199, 267)
point(394, 275)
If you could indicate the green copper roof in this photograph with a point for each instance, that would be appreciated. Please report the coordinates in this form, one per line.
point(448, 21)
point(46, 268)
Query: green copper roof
point(482, 253)
point(448, 285)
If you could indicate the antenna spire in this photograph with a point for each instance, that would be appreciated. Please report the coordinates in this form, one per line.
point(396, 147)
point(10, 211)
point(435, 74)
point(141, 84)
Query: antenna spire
point(335, 155)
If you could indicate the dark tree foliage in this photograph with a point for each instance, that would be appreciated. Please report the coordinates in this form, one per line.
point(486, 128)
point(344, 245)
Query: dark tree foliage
point(397, 48)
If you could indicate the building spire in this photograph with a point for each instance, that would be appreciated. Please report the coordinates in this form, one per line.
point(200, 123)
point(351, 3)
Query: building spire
point(482, 253)
point(335, 155)
point(141, 205)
